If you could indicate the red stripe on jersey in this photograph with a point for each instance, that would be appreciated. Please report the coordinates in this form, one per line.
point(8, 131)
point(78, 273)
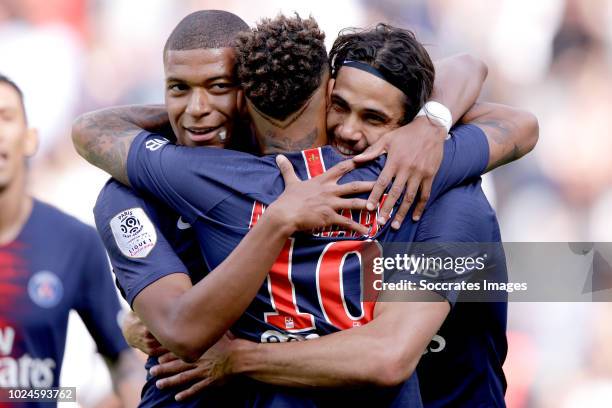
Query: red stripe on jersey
point(368, 219)
point(256, 213)
point(314, 162)
point(13, 278)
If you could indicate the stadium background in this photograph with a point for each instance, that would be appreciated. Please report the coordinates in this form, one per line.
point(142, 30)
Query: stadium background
point(553, 57)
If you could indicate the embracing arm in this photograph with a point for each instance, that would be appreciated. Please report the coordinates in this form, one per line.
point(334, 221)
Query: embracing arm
point(103, 137)
point(415, 150)
point(384, 352)
point(188, 320)
point(511, 132)
point(458, 83)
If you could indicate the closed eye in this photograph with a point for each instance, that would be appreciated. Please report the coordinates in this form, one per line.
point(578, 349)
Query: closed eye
point(375, 119)
point(339, 104)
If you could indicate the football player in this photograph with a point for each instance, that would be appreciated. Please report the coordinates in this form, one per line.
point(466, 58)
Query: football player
point(158, 145)
point(50, 263)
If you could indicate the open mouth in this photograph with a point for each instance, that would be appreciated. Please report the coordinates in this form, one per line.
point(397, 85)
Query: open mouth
point(345, 150)
point(201, 134)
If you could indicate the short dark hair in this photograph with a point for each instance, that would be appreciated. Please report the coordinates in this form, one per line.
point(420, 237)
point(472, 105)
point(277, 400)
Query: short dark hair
point(205, 29)
point(280, 63)
point(396, 53)
point(8, 81)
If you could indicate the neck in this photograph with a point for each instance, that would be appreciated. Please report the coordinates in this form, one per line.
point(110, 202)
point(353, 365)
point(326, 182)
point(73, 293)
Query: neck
point(15, 208)
point(303, 130)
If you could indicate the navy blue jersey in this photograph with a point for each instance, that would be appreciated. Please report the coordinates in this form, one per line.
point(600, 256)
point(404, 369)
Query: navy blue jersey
point(146, 241)
point(55, 264)
point(137, 266)
point(138, 234)
point(462, 366)
point(314, 287)
point(222, 194)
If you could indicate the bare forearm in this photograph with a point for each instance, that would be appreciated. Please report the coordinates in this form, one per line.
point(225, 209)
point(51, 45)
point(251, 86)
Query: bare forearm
point(383, 352)
point(188, 320)
point(415, 149)
point(203, 314)
point(344, 359)
point(458, 83)
point(103, 137)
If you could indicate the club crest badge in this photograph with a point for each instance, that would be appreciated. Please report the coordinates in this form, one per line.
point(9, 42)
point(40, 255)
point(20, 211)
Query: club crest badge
point(45, 289)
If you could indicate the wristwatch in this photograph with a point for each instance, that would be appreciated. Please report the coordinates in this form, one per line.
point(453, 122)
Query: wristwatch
point(437, 113)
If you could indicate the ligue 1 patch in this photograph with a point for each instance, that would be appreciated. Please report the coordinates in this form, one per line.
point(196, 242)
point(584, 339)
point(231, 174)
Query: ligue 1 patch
point(45, 289)
point(134, 233)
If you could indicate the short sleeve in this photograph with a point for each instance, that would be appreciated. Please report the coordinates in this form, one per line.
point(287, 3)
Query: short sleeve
point(191, 180)
point(98, 303)
point(466, 155)
point(139, 252)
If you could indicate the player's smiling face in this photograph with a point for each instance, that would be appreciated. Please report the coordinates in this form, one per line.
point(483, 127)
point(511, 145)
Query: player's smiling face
point(16, 141)
point(362, 108)
point(201, 95)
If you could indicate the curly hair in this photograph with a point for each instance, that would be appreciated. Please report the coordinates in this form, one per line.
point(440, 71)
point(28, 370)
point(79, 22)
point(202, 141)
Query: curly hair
point(394, 52)
point(280, 63)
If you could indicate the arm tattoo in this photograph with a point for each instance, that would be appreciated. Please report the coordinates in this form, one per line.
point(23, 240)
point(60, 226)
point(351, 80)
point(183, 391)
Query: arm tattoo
point(104, 137)
point(500, 132)
point(275, 142)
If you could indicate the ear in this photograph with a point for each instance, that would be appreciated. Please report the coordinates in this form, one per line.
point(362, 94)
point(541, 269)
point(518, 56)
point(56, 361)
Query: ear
point(330, 88)
point(241, 103)
point(30, 143)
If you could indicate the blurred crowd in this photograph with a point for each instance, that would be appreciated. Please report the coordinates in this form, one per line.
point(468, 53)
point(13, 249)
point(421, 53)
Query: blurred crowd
point(552, 57)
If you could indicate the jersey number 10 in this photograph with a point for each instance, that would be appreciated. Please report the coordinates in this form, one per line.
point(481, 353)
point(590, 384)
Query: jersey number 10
point(329, 284)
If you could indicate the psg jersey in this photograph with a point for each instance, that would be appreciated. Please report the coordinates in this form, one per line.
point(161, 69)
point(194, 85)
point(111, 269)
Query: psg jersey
point(55, 264)
point(150, 222)
point(146, 241)
point(314, 288)
point(222, 193)
point(462, 366)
